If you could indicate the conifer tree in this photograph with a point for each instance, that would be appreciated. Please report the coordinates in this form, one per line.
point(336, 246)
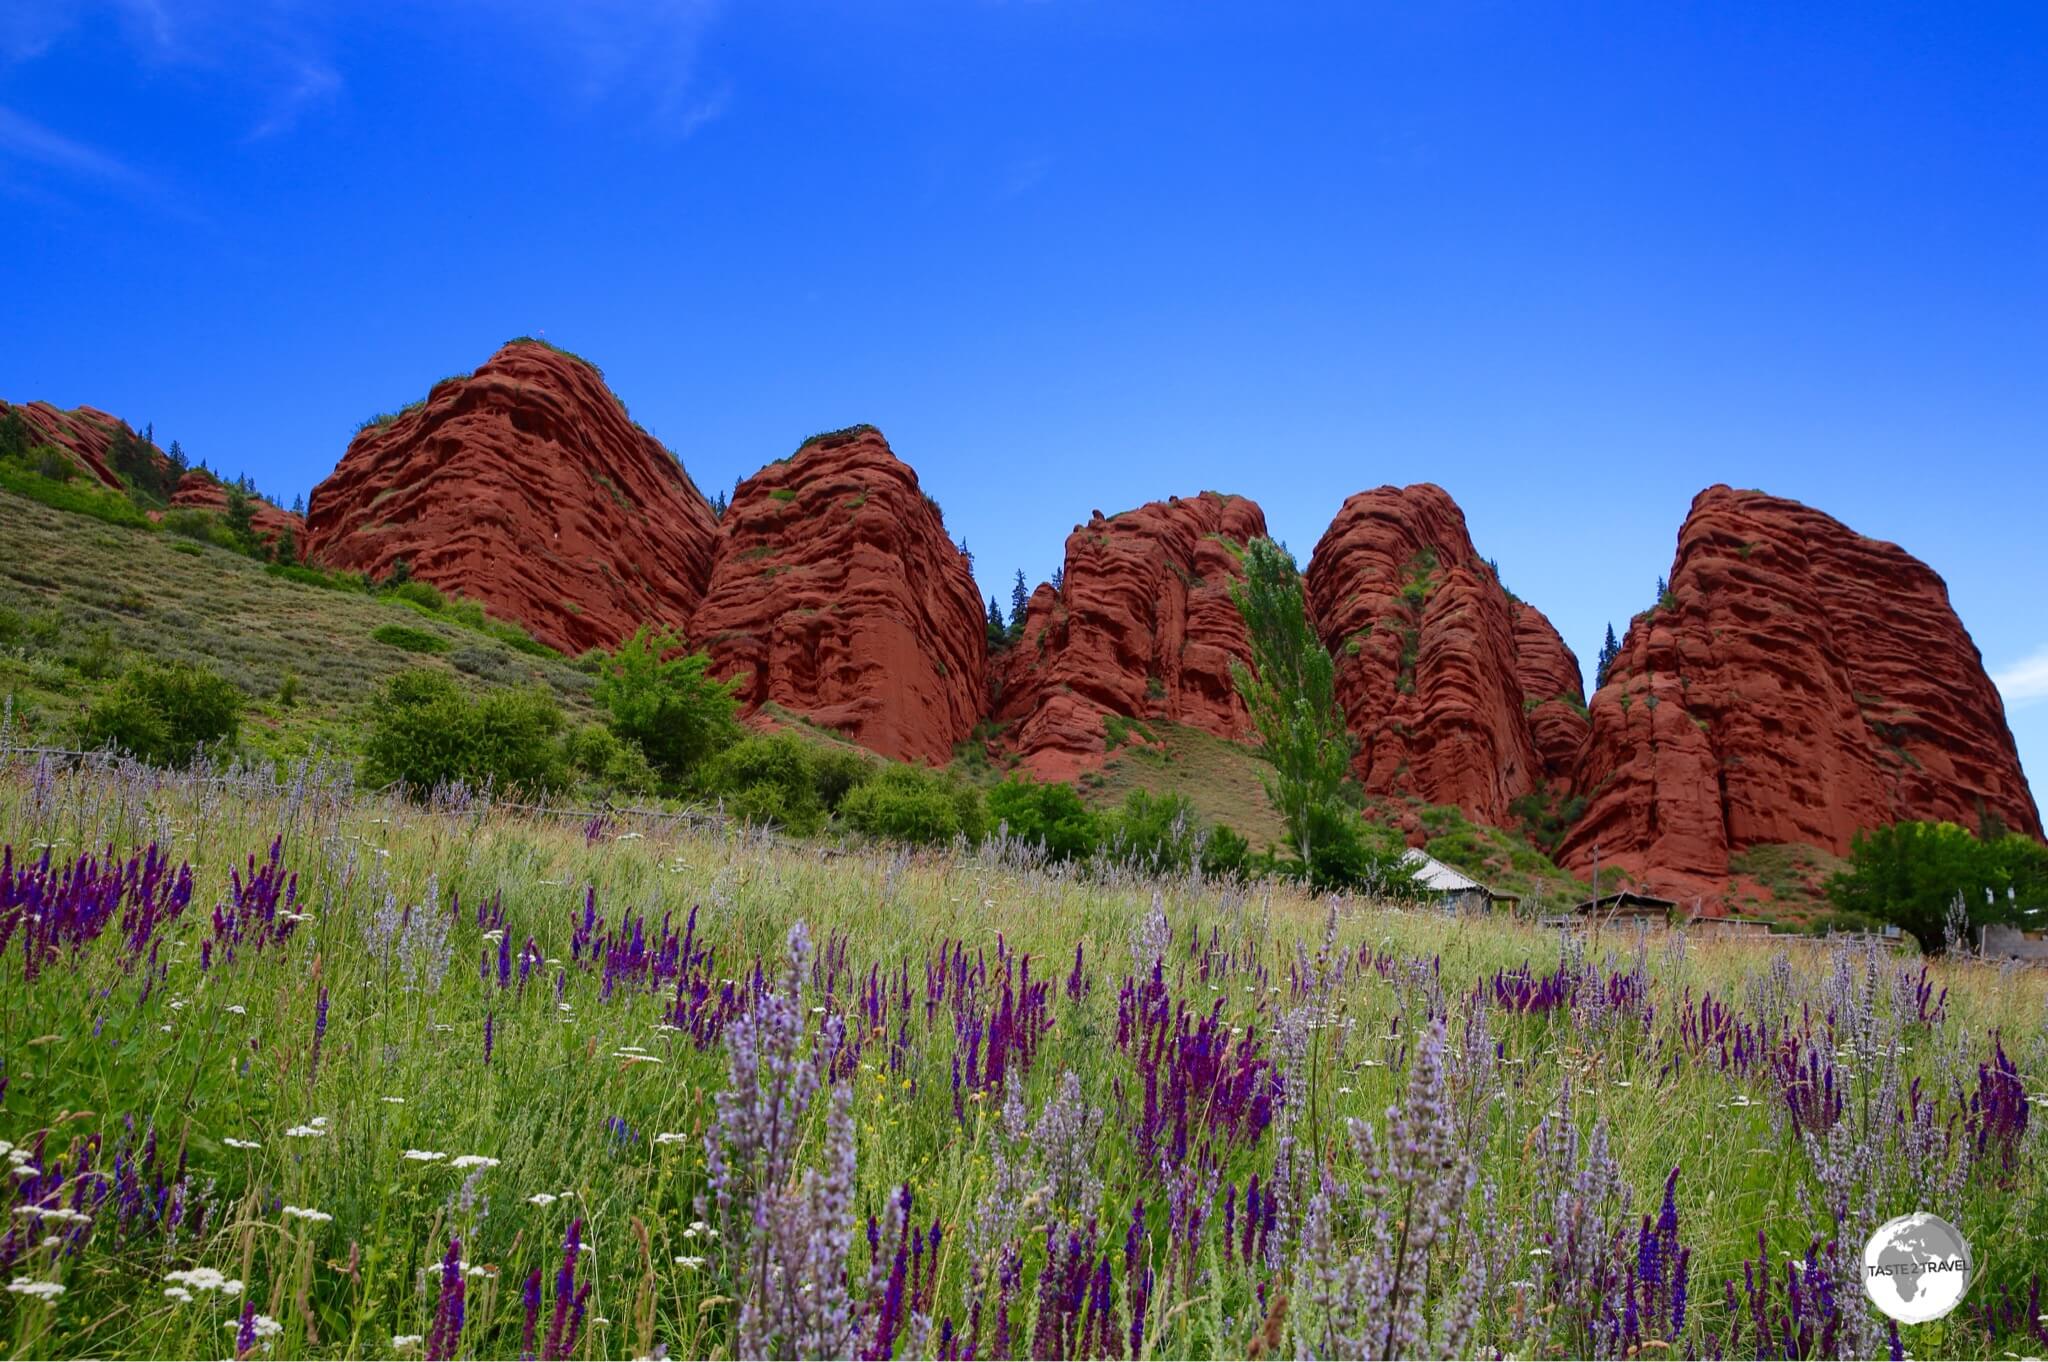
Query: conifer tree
point(1609, 650)
point(1020, 598)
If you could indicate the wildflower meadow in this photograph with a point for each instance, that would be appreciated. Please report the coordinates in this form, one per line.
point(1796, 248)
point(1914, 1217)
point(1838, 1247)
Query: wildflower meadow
point(296, 1070)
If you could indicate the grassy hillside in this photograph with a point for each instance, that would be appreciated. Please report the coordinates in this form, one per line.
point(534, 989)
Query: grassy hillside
point(493, 1085)
point(81, 596)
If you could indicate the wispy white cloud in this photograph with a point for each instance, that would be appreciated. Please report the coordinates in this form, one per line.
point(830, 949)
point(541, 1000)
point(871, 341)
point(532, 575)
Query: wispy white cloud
point(1023, 175)
point(641, 55)
point(27, 140)
point(316, 83)
point(2025, 682)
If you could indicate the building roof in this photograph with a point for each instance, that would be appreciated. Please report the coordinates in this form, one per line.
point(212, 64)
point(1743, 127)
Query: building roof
point(1627, 901)
point(1437, 877)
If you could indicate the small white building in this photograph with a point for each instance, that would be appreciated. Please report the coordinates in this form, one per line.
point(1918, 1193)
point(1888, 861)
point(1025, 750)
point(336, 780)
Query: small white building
point(1451, 888)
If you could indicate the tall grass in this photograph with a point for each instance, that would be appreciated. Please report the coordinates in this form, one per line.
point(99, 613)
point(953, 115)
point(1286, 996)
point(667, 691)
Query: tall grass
point(592, 1008)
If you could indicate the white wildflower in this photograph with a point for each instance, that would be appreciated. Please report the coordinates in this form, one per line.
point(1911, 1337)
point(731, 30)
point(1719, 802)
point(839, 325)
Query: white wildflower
point(46, 1292)
point(423, 1155)
point(472, 1161)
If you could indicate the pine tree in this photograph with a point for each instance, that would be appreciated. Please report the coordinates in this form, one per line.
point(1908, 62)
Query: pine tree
point(1059, 578)
point(1019, 600)
point(718, 504)
point(299, 506)
point(176, 454)
point(998, 636)
point(967, 553)
point(1609, 650)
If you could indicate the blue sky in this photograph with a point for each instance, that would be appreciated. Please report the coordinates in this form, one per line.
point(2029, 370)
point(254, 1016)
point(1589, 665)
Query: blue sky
point(1573, 262)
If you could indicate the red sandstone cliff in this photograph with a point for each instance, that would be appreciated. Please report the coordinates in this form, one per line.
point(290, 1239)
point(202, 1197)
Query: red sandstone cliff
point(1801, 683)
point(1425, 641)
point(1553, 693)
point(527, 487)
point(1142, 626)
point(87, 434)
point(839, 596)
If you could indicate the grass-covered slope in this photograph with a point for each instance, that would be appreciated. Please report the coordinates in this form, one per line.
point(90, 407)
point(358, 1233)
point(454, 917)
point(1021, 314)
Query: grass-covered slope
point(80, 597)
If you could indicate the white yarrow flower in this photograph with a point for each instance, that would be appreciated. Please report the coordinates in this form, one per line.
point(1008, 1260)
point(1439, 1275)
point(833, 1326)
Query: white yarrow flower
point(423, 1155)
point(472, 1161)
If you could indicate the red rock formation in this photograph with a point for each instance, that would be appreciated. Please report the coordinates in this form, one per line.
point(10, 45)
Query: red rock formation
point(85, 433)
point(1801, 683)
point(1425, 643)
point(527, 487)
point(839, 597)
point(202, 491)
point(1553, 693)
point(1142, 627)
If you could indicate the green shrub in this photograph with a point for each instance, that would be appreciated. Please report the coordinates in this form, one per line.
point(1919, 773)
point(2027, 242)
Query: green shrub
point(410, 639)
point(424, 731)
point(288, 690)
point(97, 657)
point(53, 463)
point(671, 706)
point(410, 588)
point(331, 581)
point(769, 778)
point(1152, 832)
point(613, 764)
point(189, 522)
point(837, 770)
point(37, 632)
point(1049, 815)
point(1226, 855)
point(911, 804)
point(164, 714)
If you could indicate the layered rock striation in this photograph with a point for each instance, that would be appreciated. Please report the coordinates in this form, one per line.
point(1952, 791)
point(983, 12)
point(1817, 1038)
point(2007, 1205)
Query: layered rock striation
point(839, 597)
point(527, 487)
point(1798, 682)
point(1429, 653)
point(1142, 626)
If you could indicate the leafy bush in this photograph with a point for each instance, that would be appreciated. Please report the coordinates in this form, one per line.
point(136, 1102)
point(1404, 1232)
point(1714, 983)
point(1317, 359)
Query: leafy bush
point(424, 731)
point(1910, 874)
point(410, 639)
point(837, 770)
point(1049, 815)
point(614, 764)
point(1347, 852)
point(769, 778)
point(1226, 855)
point(97, 658)
point(331, 581)
point(671, 706)
point(911, 804)
point(189, 522)
point(164, 714)
point(410, 588)
point(38, 632)
point(1153, 832)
